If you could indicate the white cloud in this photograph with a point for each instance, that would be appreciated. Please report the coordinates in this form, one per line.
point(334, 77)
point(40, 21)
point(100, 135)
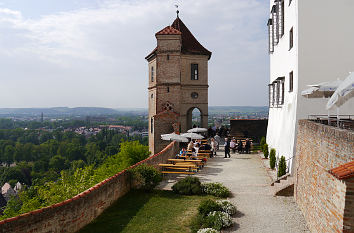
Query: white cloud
point(95, 56)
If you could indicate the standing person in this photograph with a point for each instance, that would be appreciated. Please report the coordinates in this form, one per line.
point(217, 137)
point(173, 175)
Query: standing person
point(247, 146)
point(227, 148)
point(213, 146)
point(240, 146)
point(233, 146)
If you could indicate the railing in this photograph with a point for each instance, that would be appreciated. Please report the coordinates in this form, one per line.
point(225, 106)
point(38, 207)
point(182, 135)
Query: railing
point(340, 121)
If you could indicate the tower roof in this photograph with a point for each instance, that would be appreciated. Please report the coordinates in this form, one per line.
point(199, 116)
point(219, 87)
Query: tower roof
point(190, 44)
point(169, 31)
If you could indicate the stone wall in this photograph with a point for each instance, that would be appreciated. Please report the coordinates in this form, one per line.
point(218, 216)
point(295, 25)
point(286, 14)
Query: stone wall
point(326, 202)
point(73, 214)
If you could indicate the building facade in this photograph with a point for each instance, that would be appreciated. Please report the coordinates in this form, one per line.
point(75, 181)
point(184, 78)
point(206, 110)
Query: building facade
point(308, 44)
point(178, 83)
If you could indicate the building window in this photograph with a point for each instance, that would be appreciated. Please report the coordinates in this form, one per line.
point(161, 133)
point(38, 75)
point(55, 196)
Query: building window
point(194, 71)
point(280, 18)
point(291, 81)
point(168, 89)
point(275, 25)
point(270, 36)
point(168, 56)
point(291, 38)
point(152, 96)
point(152, 125)
point(152, 73)
point(280, 83)
point(194, 95)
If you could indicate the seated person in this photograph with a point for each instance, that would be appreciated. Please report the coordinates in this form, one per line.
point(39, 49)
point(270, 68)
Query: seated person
point(183, 152)
point(194, 154)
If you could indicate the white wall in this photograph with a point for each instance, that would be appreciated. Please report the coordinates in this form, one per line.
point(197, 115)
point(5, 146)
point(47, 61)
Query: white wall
point(326, 49)
point(323, 51)
point(282, 120)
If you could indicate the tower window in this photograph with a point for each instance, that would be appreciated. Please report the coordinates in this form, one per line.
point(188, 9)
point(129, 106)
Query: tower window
point(168, 89)
point(291, 38)
point(152, 73)
point(152, 125)
point(152, 96)
point(291, 81)
point(194, 71)
point(168, 56)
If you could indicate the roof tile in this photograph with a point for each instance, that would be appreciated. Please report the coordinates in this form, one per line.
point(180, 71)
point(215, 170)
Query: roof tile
point(344, 171)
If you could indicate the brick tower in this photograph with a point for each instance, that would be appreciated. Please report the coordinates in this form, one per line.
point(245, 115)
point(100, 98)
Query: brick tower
point(178, 83)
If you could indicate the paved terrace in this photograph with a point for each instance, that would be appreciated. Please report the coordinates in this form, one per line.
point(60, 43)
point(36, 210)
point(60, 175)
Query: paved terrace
point(258, 210)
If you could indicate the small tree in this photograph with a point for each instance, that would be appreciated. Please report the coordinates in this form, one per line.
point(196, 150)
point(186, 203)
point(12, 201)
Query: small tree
point(265, 150)
point(272, 158)
point(263, 141)
point(282, 167)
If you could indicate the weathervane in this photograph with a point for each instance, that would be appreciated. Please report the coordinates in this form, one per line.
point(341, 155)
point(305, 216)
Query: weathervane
point(177, 10)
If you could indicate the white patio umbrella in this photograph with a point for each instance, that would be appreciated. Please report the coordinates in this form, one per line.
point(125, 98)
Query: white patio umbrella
point(192, 135)
point(344, 92)
point(174, 137)
point(197, 130)
point(321, 90)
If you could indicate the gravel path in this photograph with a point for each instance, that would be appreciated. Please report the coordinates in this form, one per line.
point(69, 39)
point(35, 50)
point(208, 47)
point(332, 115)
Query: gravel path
point(258, 210)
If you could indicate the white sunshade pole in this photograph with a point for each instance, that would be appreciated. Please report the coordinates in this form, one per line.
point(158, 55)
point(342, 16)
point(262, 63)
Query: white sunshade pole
point(337, 117)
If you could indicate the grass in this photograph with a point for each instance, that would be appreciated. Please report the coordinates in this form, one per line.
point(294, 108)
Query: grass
point(158, 211)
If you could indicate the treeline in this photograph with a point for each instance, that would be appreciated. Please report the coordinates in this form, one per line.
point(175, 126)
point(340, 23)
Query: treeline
point(136, 122)
point(34, 157)
point(74, 180)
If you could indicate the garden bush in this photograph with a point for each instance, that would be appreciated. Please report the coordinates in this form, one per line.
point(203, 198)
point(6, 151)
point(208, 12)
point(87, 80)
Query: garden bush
point(265, 150)
point(216, 189)
point(208, 230)
point(282, 167)
point(227, 207)
point(272, 158)
point(146, 177)
point(208, 206)
point(217, 220)
point(188, 186)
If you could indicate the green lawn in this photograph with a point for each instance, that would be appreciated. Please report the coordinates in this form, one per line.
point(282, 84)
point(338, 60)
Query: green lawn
point(159, 211)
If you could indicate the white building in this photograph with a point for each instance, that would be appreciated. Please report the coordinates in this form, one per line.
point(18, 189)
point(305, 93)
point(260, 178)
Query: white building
point(310, 41)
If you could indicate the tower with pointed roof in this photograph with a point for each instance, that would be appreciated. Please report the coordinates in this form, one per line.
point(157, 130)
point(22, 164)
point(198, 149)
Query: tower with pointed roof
point(178, 83)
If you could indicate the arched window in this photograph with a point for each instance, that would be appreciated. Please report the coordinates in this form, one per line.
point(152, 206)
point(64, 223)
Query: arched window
point(152, 73)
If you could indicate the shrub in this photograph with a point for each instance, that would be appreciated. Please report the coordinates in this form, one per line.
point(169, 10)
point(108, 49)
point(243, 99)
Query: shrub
point(147, 177)
point(208, 230)
point(265, 150)
point(263, 141)
point(272, 158)
point(216, 189)
point(217, 220)
point(227, 207)
point(188, 186)
point(208, 206)
point(282, 167)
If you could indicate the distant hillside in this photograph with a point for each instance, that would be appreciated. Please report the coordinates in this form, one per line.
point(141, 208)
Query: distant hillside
point(58, 111)
point(97, 111)
point(237, 109)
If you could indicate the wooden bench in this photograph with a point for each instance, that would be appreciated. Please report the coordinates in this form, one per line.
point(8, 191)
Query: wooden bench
point(173, 172)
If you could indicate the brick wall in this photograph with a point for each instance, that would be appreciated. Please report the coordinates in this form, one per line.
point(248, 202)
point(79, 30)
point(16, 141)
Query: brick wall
point(73, 214)
point(326, 202)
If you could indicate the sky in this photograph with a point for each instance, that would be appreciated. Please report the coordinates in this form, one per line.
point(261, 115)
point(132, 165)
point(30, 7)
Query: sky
point(81, 53)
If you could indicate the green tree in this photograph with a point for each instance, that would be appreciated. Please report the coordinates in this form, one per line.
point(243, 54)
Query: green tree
point(272, 158)
point(57, 163)
point(282, 167)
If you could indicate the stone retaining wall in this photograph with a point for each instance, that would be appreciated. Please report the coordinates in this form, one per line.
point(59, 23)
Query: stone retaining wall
point(326, 202)
point(73, 214)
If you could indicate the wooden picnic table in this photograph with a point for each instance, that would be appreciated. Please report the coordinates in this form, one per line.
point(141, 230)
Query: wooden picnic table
point(185, 168)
